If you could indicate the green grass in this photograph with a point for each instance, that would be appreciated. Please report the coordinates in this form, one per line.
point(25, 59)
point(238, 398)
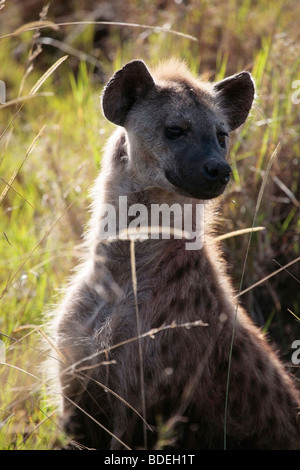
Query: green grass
point(50, 152)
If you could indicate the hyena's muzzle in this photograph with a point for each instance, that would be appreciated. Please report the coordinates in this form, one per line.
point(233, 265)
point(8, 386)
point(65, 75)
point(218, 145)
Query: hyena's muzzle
point(202, 173)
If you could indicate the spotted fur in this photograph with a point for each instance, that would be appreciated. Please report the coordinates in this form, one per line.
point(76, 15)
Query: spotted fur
point(184, 368)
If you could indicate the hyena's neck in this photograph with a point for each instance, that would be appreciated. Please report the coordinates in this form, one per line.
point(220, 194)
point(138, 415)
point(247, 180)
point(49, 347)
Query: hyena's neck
point(126, 209)
point(154, 218)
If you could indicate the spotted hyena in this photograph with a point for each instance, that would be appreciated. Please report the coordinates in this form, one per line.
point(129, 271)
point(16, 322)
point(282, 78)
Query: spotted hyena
point(172, 387)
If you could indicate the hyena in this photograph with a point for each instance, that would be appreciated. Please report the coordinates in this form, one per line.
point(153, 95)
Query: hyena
point(132, 375)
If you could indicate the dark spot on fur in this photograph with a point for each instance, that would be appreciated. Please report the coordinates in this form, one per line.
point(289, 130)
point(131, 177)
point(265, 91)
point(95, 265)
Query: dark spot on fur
point(260, 366)
point(179, 274)
point(180, 305)
point(197, 301)
point(208, 305)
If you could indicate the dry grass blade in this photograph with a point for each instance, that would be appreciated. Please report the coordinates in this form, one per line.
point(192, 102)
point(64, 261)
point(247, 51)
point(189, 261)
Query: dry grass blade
point(36, 427)
point(134, 284)
point(9, 186)
point(35, 25)
point(297, 318)
point(20, 370)
point(290, 274)
point(33, 91)
point(264, 181)
point(47, 74)
point(286, 190)
point(21, 99)
point(34, 142)
point(71, 401)
point(259, 198)
point(44, 335)
point(108, 23)
point(107, 389)
point(9, 282)
point(151, 333)
point(268, 277)
point(99, 424)
point(63, 46)
point(131, 25)
point(236, 233)
point(73, 368)
point(16, 172)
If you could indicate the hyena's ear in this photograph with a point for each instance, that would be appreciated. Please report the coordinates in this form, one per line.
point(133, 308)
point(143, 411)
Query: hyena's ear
point(235, 94)
point(128, 85)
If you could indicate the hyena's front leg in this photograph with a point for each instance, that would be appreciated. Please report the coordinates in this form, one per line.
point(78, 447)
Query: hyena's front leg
point(85, 418)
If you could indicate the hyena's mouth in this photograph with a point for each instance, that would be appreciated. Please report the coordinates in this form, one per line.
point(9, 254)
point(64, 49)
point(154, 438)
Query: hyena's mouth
point(203, 189)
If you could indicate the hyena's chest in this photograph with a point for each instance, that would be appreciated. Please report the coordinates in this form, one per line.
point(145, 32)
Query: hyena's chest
point(168, 330)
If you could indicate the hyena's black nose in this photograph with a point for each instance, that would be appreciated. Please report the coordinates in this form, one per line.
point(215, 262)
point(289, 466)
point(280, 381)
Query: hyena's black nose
point(217, 171)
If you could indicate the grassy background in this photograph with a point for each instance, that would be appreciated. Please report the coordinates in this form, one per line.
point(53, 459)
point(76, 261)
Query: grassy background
point(50, 150)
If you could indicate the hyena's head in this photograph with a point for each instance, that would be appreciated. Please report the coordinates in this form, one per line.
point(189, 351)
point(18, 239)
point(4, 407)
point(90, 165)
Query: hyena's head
point(178, 127)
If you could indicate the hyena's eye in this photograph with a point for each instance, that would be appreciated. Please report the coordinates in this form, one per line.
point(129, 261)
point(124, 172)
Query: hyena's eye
point(222, 139)
point(174, 132)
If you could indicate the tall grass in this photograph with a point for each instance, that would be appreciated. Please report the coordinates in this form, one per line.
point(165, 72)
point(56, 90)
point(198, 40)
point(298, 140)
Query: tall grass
point(52, 133)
